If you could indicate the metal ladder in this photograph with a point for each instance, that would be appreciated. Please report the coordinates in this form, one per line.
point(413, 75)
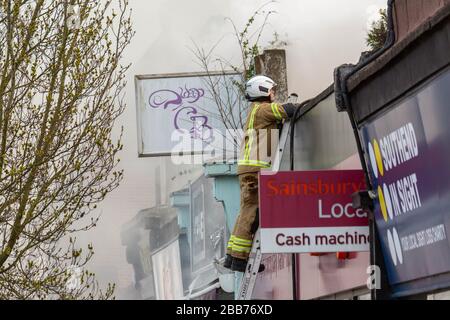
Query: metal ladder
point(251, 271)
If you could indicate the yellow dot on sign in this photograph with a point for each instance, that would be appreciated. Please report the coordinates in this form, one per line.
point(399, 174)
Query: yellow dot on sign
point(378, 157)
point(382, 204)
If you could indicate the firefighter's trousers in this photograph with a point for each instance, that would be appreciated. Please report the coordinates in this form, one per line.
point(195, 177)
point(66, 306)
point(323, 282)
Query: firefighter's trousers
point(240, 243)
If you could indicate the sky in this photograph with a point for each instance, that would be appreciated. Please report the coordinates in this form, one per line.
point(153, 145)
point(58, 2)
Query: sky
point(320, 35)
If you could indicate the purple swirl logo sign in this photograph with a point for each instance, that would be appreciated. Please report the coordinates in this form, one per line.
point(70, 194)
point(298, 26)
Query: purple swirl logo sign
point(186, 114)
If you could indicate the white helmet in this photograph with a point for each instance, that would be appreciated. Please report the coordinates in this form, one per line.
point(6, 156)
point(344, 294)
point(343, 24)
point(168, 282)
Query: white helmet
point(258, 87)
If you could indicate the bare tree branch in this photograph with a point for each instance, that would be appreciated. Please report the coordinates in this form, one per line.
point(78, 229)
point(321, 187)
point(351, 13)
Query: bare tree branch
point(61, 90)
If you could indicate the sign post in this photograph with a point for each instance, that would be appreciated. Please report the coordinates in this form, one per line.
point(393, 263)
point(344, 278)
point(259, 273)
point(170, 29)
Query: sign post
point(311, 211)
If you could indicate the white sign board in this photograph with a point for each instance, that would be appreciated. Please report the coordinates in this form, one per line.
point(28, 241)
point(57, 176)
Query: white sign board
point(167, 273)
point(198, 106)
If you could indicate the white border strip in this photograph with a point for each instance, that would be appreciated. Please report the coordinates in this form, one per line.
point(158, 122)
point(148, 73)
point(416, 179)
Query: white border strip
point(346, 239)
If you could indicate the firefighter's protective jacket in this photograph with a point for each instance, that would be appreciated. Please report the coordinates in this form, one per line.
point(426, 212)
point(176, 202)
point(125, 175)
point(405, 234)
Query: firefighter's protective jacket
point(259, 143)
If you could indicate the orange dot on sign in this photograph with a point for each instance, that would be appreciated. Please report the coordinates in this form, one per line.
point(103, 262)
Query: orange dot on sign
point(378, 157)
point(382, 204)
point(342, 255)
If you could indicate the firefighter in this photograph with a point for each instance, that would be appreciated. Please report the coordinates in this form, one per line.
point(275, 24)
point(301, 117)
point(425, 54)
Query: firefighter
point(264, 116)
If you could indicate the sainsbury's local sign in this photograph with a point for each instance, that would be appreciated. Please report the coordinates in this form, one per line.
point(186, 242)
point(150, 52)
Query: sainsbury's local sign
point(311, 211)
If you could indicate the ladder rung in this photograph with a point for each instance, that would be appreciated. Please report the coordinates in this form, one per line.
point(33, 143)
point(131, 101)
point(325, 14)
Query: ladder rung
point(251, 271)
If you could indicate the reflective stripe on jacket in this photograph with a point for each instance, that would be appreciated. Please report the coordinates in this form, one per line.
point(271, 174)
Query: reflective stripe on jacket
point(256, 148)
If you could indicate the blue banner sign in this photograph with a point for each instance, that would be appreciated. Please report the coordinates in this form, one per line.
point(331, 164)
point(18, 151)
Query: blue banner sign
point(407, 150)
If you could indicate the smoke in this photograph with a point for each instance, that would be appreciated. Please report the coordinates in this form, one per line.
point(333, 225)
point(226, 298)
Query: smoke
point(373, 15)
point(321, 35)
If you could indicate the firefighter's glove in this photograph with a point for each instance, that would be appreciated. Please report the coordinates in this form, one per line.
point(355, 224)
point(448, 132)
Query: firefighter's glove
point(290, 108)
